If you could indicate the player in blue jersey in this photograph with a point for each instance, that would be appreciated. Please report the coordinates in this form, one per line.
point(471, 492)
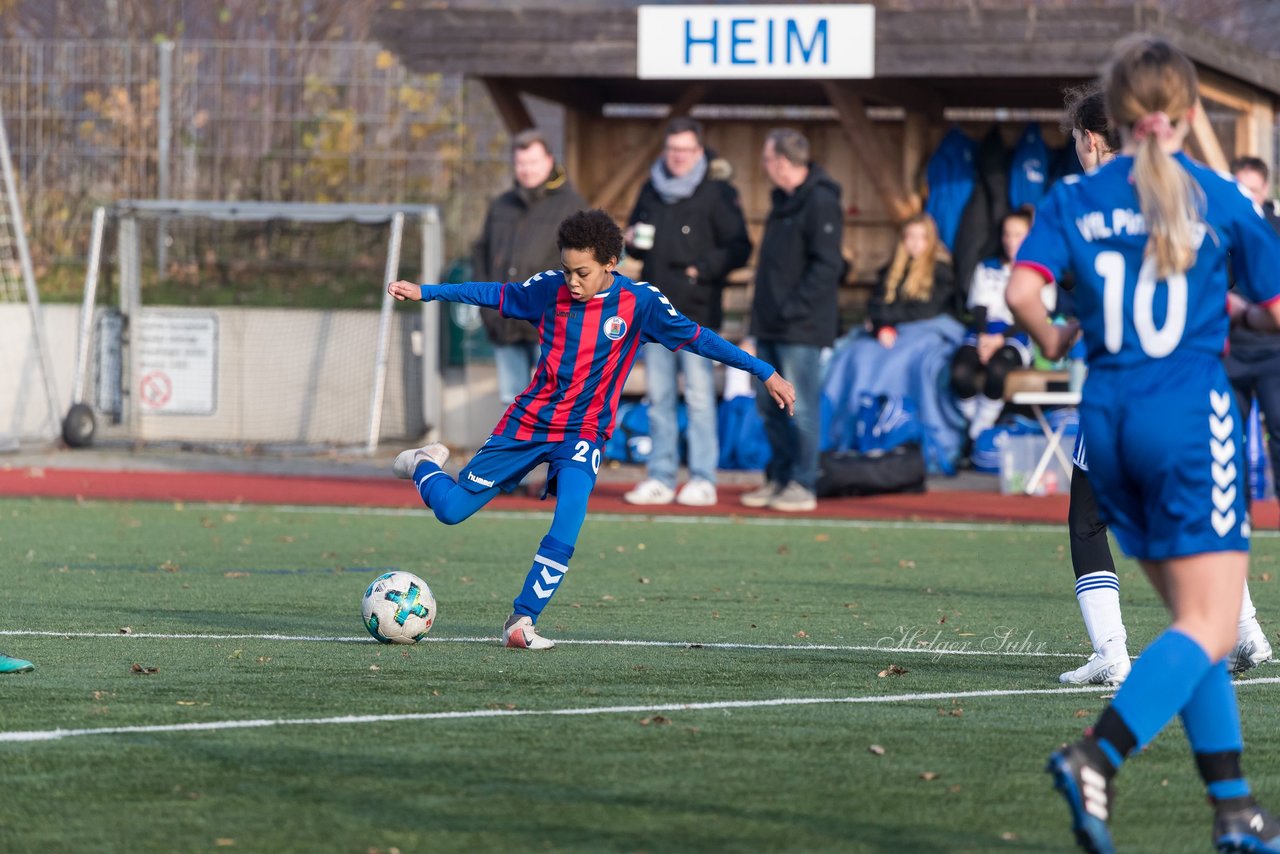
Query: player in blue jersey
point(9, 664)
point(1149, 237)
point(591, 323)
point(1097, 586)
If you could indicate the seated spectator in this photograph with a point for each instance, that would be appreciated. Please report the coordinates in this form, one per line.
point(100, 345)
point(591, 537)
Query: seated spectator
point(993, 347)
point(918, 283)
point(905, 349)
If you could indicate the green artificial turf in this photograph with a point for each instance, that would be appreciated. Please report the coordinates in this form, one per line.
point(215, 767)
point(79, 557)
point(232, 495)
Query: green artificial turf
point(956, 774)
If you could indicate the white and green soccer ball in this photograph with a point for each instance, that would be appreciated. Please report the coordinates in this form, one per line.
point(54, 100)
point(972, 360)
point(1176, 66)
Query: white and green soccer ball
point(398, 608)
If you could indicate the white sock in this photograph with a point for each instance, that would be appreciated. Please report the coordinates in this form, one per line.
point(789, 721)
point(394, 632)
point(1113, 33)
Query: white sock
point(1248, 613)
point(1099, 596)
point(968, 407)
point(987, 413)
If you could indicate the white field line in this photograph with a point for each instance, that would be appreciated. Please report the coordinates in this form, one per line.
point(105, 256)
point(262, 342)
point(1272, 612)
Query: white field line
point(207, 726)
point(943, 647)
point(751, 521)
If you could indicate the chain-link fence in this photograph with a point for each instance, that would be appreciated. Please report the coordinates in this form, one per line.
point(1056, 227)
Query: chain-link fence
point(92, 122)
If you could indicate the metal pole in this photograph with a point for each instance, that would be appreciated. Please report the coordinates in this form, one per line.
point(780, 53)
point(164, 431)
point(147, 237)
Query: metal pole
point(28, 278)
point(432, 368)
point(164, 133)
point(130, 245)
point(87, 308)
point(384, 332)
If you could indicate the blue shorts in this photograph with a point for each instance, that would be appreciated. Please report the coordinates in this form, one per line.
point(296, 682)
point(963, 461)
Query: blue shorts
point(1166, 457)
point(503, 463)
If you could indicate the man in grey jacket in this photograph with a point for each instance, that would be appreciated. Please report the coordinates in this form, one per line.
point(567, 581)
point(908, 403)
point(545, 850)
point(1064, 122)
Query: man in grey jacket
point(794, 313)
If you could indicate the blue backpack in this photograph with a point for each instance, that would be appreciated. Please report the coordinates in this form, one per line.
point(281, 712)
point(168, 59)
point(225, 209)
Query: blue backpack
point(740, 429)
point(885, 422)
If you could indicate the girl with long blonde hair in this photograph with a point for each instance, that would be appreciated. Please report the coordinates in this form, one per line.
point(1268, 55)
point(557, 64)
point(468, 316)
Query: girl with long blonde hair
point(918, 283)
point(1149, 237)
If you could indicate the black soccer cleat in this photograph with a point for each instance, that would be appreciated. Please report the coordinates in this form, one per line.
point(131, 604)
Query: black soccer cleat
point(1082, 774)
point(1241, 825)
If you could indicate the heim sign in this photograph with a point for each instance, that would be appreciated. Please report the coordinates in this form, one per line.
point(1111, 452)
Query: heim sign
point(755, 42)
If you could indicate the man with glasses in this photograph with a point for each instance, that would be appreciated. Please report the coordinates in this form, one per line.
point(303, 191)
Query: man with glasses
point(688, 229)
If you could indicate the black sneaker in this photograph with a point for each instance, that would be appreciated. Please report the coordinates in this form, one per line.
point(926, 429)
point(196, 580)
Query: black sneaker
point(1241, 825)
point(1082, 774)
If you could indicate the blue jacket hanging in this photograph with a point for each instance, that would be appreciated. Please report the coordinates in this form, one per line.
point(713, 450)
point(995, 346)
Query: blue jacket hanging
point(1029, 173)
point(951, 175)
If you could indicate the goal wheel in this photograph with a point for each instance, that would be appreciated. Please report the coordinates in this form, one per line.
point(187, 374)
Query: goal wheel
point(79, 426)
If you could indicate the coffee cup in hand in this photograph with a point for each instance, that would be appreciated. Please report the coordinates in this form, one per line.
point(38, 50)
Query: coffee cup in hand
point(642, 235)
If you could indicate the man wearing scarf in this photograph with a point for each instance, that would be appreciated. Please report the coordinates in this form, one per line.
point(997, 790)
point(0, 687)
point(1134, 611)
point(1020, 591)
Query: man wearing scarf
point(688, 229)
point(519, 241)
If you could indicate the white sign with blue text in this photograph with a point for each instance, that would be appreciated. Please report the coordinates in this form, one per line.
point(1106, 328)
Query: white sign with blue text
point(755, 42)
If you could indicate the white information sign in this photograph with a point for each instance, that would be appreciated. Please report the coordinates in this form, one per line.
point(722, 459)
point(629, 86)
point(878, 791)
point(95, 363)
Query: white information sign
point(177, 356)
point(756, 42)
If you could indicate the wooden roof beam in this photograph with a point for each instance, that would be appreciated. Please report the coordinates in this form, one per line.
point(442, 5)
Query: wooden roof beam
point(1207, 141)
point(506, 99)
point(871, 151)
point(633, 164)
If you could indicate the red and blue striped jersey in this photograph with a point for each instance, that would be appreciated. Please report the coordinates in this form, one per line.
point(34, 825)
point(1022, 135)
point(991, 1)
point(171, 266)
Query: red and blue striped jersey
point(588, 349)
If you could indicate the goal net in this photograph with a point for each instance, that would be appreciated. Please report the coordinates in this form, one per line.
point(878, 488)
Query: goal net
point(252, 325)
point(28, 399)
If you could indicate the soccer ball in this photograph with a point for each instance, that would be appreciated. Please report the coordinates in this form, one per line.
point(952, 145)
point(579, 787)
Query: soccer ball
point(398, 608)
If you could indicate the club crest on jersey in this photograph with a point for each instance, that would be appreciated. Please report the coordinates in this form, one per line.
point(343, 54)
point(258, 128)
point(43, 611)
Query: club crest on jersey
point(614, 328)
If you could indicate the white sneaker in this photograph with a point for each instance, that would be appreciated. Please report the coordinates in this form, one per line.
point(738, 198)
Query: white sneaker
point(407, 461)
point(650, 492)
point(761, 496)
point(519, 633)
point(1252, 649)
point(698, 492)
point(1099, 671)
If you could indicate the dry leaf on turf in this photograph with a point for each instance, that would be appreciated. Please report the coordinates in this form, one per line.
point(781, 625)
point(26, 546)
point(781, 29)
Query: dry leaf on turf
point(145, 671)
point(892, 670)
point(1080, 713)
point(657, 720)
point(126, 630)
point(928, 775)
point(876, 749)
point(1009, 837)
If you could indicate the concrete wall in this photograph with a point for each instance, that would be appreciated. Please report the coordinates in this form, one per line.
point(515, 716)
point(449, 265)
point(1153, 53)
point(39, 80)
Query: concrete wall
point(282, 375)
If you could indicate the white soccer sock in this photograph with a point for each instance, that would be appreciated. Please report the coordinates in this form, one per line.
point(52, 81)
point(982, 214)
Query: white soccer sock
point(1248, 613)
point(985, 416)
point(1099, 596)
point(968, 407)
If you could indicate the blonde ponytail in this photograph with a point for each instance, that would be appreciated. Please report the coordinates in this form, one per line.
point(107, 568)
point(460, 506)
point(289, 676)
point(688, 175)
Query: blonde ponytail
point(1149, 86)
point(1172, 205)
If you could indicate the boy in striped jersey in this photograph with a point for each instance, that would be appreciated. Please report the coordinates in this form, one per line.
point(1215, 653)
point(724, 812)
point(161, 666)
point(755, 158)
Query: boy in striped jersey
point(591, 322)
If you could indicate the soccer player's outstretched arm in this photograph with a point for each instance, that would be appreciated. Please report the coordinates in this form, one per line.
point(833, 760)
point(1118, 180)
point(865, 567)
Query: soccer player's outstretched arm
point(524, 300)
point(674, 331)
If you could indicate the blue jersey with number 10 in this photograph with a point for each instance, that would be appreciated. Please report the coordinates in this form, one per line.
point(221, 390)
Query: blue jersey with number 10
point(1093, 226)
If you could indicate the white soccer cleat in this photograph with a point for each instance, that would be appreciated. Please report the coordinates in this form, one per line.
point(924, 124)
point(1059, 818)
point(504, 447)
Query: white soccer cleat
point(407, 461)
point(650, 492)
point(519, 633)
point(1252, 649)
point(1099, 671)
point(698, 492)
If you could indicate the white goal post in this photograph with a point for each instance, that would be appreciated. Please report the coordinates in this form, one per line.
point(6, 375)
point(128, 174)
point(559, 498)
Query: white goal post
point(240, 377)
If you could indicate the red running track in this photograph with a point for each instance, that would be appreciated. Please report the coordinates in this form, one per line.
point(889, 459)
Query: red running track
point(218, 487)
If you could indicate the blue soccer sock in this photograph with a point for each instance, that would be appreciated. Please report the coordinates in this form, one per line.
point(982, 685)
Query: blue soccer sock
point(450, 502)
point(549, 566)
point(1162, 681)
point(1212, 721)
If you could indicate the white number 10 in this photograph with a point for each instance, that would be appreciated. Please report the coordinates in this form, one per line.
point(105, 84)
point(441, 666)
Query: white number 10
point(1156, 343)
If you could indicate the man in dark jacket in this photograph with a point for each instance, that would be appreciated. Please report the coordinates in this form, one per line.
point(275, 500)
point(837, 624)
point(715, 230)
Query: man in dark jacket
point(794, 313)
point(688, 229)
point(1253, 358)
point(519, 241)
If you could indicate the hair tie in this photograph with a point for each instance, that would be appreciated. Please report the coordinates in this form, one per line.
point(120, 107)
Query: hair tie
point(1153, 124)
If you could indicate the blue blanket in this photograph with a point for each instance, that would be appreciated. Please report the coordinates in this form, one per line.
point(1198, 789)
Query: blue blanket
point(916, 367)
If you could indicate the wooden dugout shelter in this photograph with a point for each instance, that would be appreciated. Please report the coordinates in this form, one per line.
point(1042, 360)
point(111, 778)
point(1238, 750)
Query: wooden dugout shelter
point(935, 66)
